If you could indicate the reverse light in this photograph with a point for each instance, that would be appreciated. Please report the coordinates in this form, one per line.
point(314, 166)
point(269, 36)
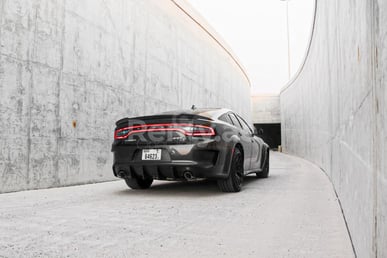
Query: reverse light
point(121, 134)
point(186, 129)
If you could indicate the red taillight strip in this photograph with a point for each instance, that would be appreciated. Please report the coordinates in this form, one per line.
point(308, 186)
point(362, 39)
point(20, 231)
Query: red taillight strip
point(147, 129)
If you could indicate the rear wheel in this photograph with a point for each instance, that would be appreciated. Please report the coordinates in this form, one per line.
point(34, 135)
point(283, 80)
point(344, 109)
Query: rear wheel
point(265, 168)
point(139, 183)
point(234, 181)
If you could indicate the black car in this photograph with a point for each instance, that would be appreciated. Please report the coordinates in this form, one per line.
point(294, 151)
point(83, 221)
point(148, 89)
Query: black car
point(188, 145)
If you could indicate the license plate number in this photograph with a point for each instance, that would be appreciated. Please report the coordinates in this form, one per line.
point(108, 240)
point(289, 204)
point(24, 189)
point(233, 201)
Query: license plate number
point(151, 154)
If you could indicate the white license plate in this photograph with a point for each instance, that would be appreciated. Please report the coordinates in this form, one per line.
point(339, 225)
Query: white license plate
point(151, 154)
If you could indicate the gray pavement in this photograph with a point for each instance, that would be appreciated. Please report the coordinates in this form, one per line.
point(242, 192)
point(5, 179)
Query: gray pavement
point(294, 213)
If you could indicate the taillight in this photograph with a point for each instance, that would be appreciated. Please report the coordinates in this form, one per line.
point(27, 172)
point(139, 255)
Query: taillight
point(202, 131)
point(186, 129)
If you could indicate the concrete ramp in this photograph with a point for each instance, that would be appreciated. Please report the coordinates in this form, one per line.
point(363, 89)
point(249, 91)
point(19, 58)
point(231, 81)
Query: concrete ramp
point(334, 113)
point(294, 213)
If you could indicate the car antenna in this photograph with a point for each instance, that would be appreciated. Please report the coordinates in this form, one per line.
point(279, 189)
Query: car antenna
point(193, 107)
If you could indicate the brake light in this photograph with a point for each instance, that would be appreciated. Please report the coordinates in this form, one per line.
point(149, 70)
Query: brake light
point(186, 129)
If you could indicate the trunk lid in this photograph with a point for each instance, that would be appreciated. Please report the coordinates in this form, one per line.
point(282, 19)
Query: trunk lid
point(163, 129)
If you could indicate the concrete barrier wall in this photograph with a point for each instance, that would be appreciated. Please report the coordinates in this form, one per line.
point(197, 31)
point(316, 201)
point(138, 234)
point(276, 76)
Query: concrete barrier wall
point(266, 109)
point(334, 113)
point(69, 69)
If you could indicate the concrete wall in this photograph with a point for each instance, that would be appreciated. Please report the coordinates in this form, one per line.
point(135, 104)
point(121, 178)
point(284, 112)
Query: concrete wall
point(266, 109)
point(334, 113)
point(69, 69)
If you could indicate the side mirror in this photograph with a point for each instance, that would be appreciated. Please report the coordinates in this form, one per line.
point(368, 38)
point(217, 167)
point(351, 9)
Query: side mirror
point(260, 132)
point(255, 131)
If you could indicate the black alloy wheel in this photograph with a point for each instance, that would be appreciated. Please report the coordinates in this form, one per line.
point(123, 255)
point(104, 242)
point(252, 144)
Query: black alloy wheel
point(234, 181)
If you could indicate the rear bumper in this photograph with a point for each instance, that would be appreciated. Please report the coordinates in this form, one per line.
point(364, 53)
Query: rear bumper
point(204, 160)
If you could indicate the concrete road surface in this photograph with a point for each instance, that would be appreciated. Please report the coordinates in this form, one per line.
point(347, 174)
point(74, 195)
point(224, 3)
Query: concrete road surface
point(294, 213)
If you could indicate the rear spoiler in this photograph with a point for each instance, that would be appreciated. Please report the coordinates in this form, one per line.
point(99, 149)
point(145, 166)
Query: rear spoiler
point(182, 116)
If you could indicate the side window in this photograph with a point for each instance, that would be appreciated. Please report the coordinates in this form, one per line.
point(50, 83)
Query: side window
point(225, 118)
point(245, 125)
point(235, 121)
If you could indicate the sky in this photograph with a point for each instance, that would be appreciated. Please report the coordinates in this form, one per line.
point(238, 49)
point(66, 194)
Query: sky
point(256, 30)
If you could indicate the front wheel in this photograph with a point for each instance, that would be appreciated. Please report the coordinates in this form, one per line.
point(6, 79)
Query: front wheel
point(234, 181)
point(265, 167)
point(139, 183)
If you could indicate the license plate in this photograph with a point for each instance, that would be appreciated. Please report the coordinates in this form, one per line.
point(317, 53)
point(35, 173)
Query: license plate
point(151, 154)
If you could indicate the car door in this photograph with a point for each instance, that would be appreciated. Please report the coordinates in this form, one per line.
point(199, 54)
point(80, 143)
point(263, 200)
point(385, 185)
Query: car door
point(244, 135)
point(255, 146)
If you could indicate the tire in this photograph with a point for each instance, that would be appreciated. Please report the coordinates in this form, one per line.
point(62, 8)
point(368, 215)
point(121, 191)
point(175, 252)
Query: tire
point(139, 183)
point(233, 183)
point(266, 167)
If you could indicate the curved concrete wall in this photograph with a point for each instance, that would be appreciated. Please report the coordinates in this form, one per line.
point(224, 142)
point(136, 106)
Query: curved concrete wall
point(334, 113)
point(69, 69)
point(266, 109)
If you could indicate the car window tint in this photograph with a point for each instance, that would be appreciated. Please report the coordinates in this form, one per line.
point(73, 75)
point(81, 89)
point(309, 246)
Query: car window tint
point(245, 125)
point(225, 118)
point(235, 121)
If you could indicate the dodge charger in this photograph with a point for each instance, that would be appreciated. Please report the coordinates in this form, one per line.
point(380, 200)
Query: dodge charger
point(216, 144)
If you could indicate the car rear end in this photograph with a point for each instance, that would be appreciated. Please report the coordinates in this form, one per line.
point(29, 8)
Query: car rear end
point(170, 147)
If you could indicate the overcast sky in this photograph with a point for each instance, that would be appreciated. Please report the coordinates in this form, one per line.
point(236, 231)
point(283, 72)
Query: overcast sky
point(256, 31)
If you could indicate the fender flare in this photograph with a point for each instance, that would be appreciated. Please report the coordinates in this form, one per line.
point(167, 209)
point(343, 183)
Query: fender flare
point(235, 141)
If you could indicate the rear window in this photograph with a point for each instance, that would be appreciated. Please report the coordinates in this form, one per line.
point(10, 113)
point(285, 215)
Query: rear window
point(204, 112)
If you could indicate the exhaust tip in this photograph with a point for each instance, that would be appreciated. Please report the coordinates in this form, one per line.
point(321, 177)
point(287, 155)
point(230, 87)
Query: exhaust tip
point(122, 174)
point(188, 175)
